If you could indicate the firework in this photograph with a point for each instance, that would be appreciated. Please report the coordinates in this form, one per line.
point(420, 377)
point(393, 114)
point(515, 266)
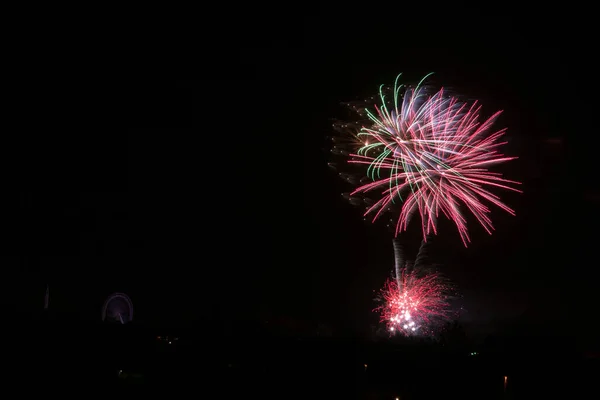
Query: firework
point(429, 153)
point(417, 305)
point(418, 298)
point(415, 302)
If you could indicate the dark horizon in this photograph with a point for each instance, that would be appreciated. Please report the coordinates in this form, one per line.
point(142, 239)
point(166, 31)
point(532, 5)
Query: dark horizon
point(209, 200)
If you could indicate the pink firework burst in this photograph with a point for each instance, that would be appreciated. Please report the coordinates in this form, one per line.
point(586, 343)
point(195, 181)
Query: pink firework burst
point(431, 154)
point(415, 303)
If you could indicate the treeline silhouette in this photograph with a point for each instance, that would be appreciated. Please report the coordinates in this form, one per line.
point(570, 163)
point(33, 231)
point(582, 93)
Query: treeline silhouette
point(62, 352)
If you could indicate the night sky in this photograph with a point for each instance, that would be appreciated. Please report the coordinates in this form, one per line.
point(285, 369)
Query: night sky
point(209, 200)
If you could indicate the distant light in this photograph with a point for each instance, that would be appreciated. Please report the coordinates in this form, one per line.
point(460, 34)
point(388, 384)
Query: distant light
point(169, 342)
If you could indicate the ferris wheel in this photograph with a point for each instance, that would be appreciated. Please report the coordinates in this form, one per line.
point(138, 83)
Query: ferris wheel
point(117, 308)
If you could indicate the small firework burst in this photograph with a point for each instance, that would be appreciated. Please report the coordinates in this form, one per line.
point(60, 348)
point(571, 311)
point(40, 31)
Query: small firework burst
point(415, 303)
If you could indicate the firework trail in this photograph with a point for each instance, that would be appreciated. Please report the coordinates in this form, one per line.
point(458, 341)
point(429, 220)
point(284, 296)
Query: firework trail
point(400, 264)
point(430, 153)
point(398, 259)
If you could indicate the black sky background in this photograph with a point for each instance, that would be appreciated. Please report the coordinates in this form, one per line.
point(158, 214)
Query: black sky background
point(208, 200)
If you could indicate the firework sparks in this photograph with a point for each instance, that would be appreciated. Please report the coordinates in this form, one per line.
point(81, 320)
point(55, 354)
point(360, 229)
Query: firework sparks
point(431, 154)
point(415, 303)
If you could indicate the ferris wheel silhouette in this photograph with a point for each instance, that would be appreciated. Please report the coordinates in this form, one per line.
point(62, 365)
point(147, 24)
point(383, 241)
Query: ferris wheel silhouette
point(117, 308)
